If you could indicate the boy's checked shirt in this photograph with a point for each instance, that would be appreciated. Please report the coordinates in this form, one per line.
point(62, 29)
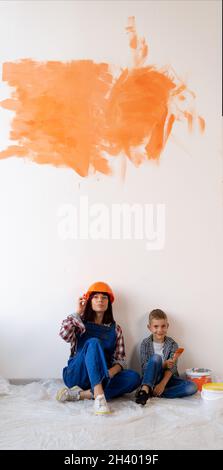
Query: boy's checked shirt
point(147, 350)
point(73, 325)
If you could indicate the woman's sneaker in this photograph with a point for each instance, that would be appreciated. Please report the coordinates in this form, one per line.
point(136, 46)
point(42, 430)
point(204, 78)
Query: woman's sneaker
point(69, 394)
point(100, 406)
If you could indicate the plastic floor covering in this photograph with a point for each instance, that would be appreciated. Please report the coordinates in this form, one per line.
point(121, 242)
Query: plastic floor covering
point(31, 418)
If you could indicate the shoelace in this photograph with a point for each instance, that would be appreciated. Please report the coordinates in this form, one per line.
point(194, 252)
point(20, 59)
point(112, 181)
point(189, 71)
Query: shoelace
point(73, 396)
point(101, 402)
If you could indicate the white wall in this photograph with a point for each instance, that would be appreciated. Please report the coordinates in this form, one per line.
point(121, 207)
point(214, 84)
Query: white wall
point(40, 274)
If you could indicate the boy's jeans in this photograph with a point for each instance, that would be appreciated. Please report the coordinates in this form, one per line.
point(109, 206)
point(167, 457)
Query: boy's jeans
point(175, 388)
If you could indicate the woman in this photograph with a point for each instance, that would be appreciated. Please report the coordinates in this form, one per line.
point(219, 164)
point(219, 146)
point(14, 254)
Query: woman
point(96, 366)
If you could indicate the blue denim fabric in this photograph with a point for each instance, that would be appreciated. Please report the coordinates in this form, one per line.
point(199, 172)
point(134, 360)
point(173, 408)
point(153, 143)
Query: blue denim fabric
point(90, 365)
point(124, 382)
point(106, 336)
point(175, 388)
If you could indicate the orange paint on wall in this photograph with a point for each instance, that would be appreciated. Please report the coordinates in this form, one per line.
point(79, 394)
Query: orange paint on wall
point(77, 114)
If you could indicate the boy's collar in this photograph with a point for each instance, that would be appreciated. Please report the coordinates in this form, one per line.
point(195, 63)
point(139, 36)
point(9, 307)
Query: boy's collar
point(164, 339)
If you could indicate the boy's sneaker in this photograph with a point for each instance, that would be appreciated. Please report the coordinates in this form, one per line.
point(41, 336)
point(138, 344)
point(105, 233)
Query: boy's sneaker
point(141, 397)
point(100, 405)
point(69, 394)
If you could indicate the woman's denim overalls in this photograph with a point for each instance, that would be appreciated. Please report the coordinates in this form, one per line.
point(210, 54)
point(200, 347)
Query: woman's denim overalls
point(93, 358)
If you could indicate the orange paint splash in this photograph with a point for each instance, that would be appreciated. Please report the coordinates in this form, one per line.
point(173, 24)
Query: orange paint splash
point(78, 115)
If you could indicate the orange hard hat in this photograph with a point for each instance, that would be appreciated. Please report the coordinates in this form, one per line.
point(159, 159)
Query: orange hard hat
point(100, 287)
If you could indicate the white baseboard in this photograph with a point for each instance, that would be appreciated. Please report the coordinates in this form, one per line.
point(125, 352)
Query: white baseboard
point(26, 381)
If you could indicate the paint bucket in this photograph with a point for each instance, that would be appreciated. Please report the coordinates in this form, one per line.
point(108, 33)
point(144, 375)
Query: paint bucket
point(212, 391)
point(212, 395)
point(199, 376)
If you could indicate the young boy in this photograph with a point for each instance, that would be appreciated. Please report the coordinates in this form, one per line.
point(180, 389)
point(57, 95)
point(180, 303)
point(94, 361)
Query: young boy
point(160, 374)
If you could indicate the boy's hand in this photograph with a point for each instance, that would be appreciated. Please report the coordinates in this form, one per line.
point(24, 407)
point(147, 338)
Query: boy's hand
point(159, 389)
point(168, 364)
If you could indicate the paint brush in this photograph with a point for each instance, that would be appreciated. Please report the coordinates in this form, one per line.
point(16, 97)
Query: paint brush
point(177, 353)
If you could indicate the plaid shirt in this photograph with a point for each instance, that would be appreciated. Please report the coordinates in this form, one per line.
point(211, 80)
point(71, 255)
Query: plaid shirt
point(73, 325)
point(147, 350)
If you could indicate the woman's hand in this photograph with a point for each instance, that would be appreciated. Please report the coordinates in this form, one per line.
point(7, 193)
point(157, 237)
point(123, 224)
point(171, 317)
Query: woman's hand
point(159, 389)
point(114, 370)
point(110, 373)
point(81, 304)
